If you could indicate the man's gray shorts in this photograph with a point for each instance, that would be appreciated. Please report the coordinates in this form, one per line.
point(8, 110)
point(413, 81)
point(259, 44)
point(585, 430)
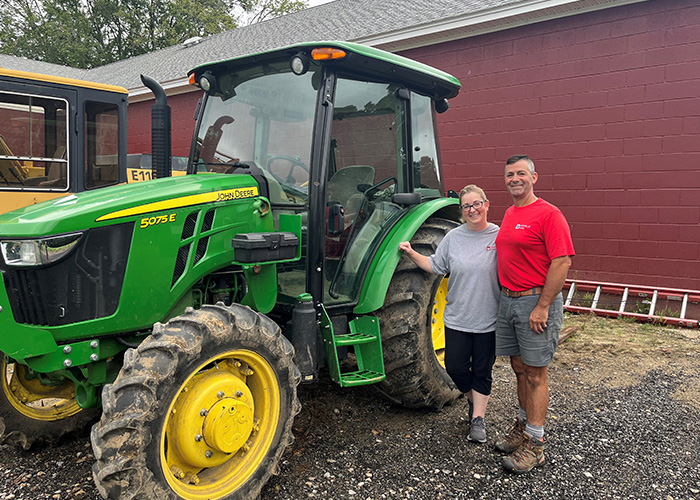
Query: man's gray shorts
point(514, 336)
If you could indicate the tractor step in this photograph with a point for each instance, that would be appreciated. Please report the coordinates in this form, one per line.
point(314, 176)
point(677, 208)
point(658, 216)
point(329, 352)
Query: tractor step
point(363, 377)
point(354, 339)
point(366, 340)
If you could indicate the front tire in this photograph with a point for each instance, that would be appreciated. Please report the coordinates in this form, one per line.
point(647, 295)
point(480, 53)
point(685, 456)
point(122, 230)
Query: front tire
point(412, 328)
point(33, 412)
point(202, 409)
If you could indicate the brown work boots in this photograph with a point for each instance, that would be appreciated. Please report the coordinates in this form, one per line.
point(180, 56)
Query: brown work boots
point(529, 455)
point(525, 451)
point(511, 441)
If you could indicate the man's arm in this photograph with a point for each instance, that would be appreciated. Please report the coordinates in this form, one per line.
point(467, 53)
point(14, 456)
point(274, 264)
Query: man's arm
point(556, 276)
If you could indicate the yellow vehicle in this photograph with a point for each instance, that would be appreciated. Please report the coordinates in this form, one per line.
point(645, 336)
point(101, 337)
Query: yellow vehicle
point(58, 136)
point(139, 167)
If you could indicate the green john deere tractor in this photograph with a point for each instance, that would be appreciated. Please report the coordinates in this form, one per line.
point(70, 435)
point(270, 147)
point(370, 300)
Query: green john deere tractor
point(188, 309)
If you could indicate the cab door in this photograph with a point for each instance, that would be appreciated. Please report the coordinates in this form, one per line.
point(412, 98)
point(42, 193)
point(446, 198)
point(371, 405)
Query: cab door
point(367, 166)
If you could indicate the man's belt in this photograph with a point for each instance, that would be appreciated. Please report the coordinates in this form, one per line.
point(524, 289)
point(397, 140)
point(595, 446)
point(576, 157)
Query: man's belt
point(532, 291)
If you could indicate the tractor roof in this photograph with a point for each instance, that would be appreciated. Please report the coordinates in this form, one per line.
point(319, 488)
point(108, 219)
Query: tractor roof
point(368, 61)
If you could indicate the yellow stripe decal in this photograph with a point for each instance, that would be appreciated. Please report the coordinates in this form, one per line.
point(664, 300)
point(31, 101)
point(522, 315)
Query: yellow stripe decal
point(185, 201)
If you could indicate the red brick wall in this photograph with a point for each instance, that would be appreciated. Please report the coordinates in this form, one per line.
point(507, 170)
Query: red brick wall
point(182, 108)
point(608, 106)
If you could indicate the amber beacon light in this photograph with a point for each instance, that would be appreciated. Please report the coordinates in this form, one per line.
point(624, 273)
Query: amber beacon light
point(327, 54)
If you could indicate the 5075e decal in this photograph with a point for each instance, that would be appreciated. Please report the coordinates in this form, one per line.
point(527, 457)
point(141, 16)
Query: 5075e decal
point(158, 219)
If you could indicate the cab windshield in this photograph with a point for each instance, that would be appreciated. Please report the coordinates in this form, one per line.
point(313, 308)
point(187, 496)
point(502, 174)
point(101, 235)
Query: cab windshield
point(263, 116)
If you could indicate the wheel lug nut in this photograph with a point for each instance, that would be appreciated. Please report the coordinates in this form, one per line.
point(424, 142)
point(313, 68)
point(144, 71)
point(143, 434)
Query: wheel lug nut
point(177, 472)
point(208, 454)
point(239, 394)
point(203, 412)
point(191, 478)
point(220, 394)
point(198, 438)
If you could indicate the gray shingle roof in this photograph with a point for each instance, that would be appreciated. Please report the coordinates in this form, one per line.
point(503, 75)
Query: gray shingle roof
point(24, 64)
point(388, 24)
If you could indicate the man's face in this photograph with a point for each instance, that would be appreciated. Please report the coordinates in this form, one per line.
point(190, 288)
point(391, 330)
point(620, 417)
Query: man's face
point(519, 180)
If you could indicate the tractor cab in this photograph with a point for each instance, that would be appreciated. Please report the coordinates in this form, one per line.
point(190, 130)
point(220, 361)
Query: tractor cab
point(333, 137)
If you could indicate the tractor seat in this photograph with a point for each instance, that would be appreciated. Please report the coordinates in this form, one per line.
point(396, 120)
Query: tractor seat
point(343, 185)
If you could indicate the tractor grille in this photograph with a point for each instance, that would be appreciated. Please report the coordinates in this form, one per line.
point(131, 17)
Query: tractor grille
point(201, 250)
point(180, 263)
point(189, 226)
point(84, 285)
point(190, 239)
point(208, 221)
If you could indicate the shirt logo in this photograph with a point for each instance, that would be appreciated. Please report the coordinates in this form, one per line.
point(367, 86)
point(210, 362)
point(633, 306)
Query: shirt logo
point(490, 247)
point(522, 226)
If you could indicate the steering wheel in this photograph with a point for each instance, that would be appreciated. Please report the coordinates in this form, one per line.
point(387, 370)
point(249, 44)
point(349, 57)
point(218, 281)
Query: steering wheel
point(294, 161)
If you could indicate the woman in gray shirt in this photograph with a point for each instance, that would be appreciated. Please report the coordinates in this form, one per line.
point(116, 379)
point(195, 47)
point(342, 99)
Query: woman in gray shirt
point(468, 255)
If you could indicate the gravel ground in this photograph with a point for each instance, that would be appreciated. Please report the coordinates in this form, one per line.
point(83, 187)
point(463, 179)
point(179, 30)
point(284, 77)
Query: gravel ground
point(622, 423)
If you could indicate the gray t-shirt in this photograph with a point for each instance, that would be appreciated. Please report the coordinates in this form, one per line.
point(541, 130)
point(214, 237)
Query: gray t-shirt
point(473, 290)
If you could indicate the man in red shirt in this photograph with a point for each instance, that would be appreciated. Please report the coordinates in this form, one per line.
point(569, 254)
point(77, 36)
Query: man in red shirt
point(534, 255)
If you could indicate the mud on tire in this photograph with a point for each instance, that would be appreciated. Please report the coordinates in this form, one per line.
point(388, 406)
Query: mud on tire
point(198, 371)
point(414, 377)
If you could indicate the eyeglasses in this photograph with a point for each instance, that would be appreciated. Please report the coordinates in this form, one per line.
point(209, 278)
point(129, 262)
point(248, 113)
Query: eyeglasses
point(476, 205)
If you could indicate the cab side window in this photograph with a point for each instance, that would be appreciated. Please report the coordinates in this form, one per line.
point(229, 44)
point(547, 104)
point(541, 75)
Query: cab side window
point(33, 142)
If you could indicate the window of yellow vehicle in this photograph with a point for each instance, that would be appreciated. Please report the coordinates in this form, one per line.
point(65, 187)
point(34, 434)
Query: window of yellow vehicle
point(33, 142)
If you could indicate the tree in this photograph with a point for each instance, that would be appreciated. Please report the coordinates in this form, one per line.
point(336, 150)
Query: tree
point(89, 33)
point(259, 10)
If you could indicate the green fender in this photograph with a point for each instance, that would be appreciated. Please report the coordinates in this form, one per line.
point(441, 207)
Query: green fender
point(382, 267)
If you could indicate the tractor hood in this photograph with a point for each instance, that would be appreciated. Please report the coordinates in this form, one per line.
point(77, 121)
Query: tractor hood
point(124, 203)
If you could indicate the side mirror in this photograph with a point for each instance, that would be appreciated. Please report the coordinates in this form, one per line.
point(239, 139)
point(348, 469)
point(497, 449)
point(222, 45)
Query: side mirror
point(441, 105)
point(336, 219)
point(407, 199)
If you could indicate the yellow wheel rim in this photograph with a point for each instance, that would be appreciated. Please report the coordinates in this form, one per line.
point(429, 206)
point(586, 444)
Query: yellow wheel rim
point(33, 399)
point(221, 425)
point(437, 324)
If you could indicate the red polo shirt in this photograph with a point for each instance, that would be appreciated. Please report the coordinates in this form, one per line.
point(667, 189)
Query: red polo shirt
point(530, 237)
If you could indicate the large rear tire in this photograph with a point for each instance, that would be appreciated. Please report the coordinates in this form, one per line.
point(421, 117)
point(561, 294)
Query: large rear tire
point(202, 409)
point(412, 328)
point(33, 412)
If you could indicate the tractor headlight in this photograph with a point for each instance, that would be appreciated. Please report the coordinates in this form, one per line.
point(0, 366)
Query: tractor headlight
point(38, 252)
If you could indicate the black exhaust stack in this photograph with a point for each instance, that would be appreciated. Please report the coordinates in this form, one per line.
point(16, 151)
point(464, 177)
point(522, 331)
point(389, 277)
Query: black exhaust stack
point(161, 165)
